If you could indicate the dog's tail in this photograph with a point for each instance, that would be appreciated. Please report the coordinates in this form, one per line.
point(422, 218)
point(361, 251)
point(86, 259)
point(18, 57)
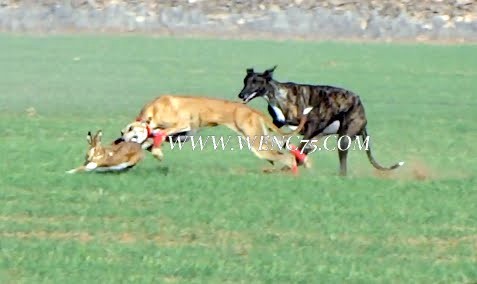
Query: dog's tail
point(364, 135)
point(300, 126)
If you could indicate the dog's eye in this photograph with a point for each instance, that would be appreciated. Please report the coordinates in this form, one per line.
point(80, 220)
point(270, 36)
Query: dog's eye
point(254, 81)
point(130, 129)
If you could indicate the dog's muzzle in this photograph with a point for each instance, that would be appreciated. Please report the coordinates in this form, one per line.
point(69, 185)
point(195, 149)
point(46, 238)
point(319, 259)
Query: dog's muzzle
point(246, 99)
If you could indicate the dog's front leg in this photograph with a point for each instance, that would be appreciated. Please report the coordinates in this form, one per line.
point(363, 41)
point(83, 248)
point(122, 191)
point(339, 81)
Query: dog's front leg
point(157, 153)
point(159, 136)
point(153, 144)
point(315, 130)
point(306, 146)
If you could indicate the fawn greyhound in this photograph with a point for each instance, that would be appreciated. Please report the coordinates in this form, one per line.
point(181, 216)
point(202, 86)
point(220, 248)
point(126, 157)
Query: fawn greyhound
point(173, 114)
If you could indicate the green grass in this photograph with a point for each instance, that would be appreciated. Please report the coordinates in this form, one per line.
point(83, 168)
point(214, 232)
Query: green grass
point(213, 217)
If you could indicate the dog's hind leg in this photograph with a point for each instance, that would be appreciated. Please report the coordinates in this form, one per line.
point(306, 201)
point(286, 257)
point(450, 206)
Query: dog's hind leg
point(286, 159)
point(345, 138)
point(257, 135)
point(353, 124)
point(272, 155)
point(343, 146)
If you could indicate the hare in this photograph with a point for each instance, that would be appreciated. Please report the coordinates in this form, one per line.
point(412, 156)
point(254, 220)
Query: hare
point(116, 157)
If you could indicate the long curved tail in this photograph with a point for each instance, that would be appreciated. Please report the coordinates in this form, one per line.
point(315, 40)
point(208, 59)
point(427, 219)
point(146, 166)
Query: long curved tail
point(364, 135)
point(300, 126)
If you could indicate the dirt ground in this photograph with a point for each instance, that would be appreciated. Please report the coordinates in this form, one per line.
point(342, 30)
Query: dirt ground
point(242, 35)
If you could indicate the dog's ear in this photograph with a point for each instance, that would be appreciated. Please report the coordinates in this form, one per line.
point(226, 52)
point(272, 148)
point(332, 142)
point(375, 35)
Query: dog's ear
point(272, 69)
point(249, 71)
point(269, 73)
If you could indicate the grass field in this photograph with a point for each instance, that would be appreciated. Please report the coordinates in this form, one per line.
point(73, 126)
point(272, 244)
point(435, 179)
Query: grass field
point(213, 217)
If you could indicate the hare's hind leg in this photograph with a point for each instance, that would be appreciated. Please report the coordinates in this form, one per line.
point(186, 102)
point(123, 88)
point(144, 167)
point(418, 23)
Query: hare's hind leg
point(88, 167)
point(75, 170)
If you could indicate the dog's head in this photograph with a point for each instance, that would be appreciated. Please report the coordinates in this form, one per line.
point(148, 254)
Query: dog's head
point(256, 84)
point(137, 131)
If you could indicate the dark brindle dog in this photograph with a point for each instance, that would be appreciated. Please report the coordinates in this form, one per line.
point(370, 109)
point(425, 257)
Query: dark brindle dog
point(335, 111)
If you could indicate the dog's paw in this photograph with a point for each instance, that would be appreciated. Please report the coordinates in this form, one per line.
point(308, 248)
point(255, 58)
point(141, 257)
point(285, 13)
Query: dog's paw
point(268, 170)
point(157, 153)
point(71, 171)
point(290, 170)
point(307, 163)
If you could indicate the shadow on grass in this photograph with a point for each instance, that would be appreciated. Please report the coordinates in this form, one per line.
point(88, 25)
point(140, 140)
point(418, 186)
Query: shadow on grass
point(161, 170)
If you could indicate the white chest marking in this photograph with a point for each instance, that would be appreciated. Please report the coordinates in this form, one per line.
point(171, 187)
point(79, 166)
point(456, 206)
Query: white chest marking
point(278, 113)
point(332, 128)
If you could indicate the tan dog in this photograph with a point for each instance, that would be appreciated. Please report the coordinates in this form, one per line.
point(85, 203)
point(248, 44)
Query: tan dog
point(117, 157)
point(171, 115)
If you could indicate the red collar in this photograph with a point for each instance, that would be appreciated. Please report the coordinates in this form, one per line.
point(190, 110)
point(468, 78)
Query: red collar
point(159, 136)
point(149, 131)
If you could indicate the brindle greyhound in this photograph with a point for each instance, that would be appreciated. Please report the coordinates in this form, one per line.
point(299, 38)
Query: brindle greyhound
point(335, 111)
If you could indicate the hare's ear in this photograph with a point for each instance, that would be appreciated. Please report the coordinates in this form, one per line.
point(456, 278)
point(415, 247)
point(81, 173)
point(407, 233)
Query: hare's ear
point(98, 136)
point(89, 138)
